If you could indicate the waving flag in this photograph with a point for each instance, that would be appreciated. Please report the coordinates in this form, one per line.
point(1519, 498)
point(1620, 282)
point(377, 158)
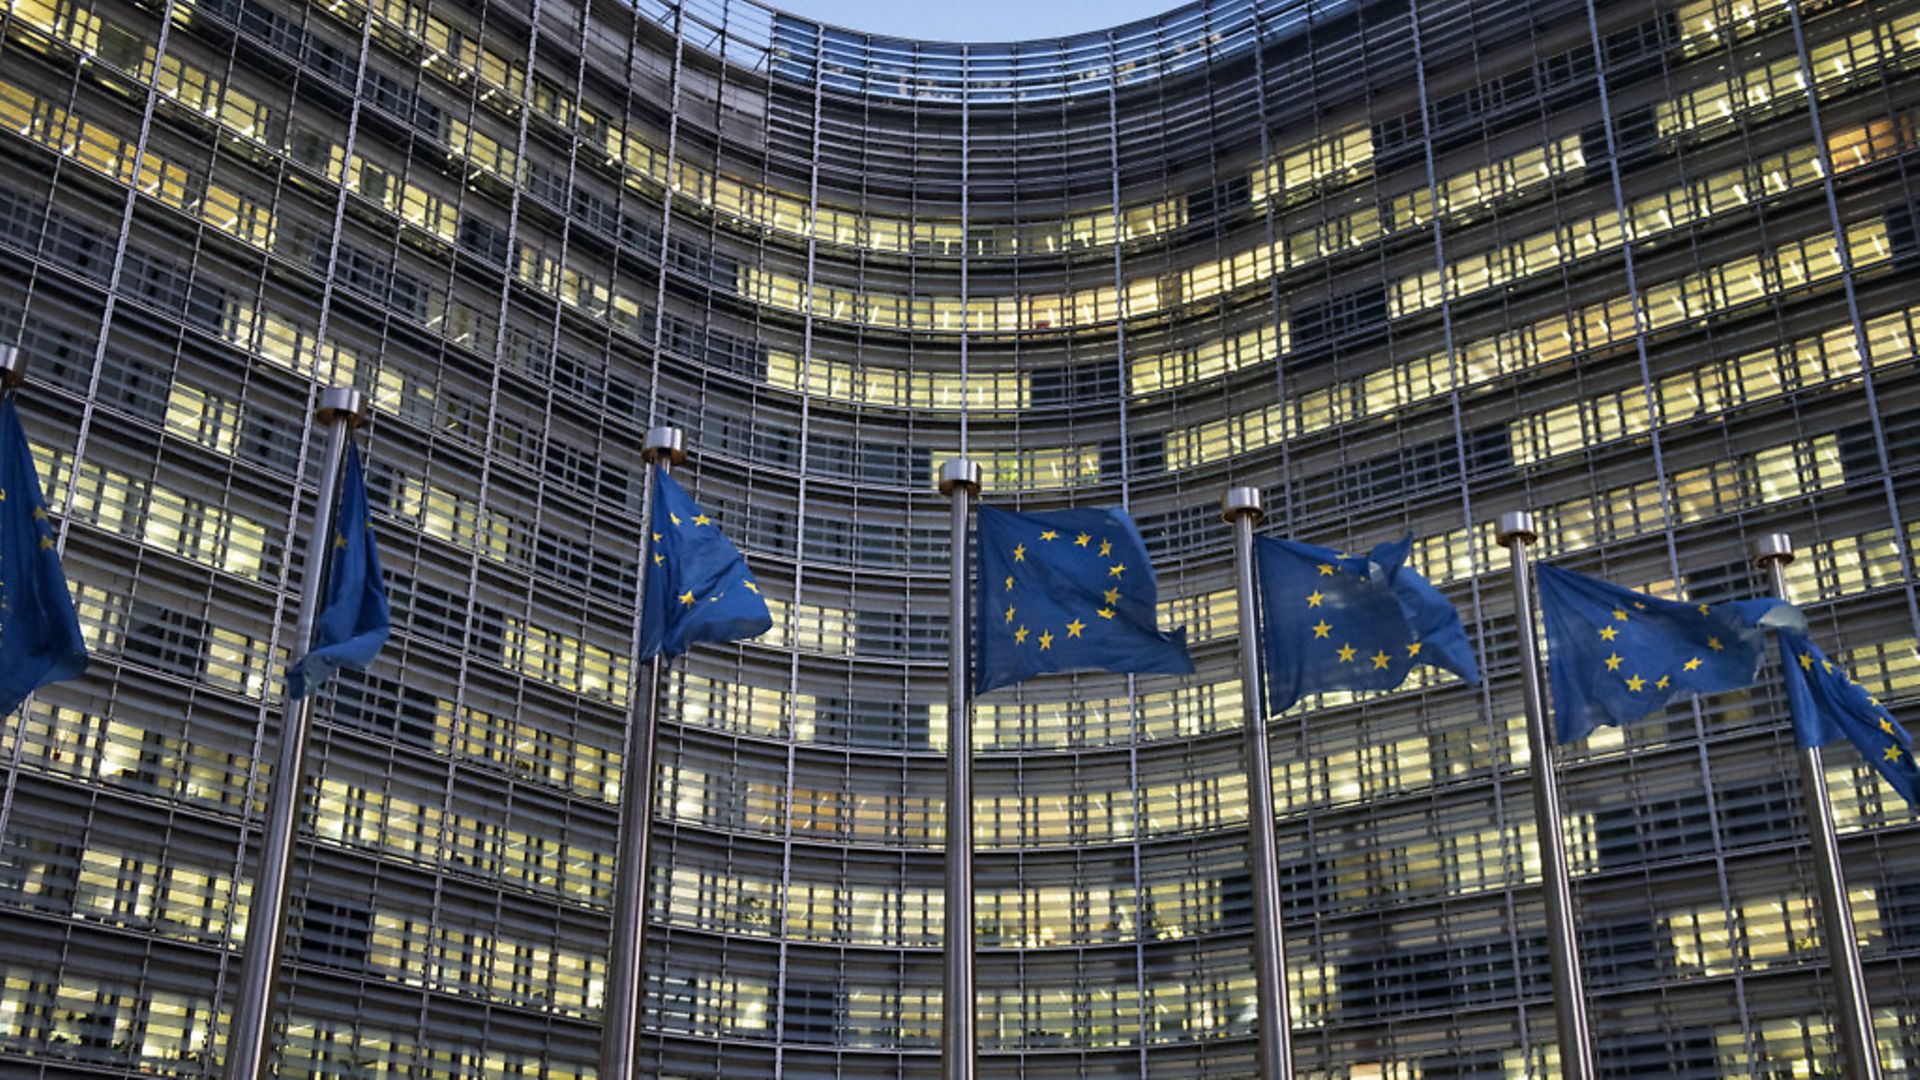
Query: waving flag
point(1068, 590)
point(354, 622)
point(698, 585)
point(1829, 706)
point(40, 639)
point(1615, 655)
point(1336, 622)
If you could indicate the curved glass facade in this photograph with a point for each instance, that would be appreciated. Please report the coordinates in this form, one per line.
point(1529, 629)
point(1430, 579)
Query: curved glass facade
point(1646, 267)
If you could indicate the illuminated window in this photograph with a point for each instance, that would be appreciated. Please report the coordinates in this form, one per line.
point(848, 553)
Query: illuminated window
point(198, 415)
point(1344, 155)
point(1759, 933)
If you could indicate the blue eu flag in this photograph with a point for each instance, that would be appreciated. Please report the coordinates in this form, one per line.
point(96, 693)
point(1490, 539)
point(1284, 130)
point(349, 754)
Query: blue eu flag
point(1336, 622)
point(1066, 591)
point(1828, 706)
point(1615, 655)
point(353, 622)
point(698, 586)
point(39, 635)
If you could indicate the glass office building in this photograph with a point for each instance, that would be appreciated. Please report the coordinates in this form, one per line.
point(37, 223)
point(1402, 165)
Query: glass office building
point(1644, 266)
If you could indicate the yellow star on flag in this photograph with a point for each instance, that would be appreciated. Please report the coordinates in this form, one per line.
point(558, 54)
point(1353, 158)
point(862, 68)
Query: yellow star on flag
point(658, 558)
point(1106, 548)
point(1046, 640)
point(1009, 614)
point(1806, 662)
point(1886, 725)
point(1112, 595)
point(1326, 569)
point(1380, 660)
point(1105, 613)
point(674, 516)
point(1020, 553)
point(1322, 629)
point(1691, 665)
point(1892, 754)
point(1618, 614)
point(1608, 633)
point(1714, 644)
point(687, 597)
point(1613, 662)
point(1314, 598)
point(1116, 569)
point(703, 520)
point(1081, 540)
point(1049, 535)
point(1347, 653)
point(1020, 636)
point(1413, 649)
point(1074, 628)
point(1636, 683)
point(1663, 683)
point(339, 541)
point(1703, 609)
point(1009, 581)
point(751, 587)
point(39, 514)
point(46, 543)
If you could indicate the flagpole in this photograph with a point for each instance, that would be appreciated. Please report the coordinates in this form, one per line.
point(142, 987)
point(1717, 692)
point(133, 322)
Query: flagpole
point(1862, 1056)
point(1242, 508)
point(247, 1041)
point(1516, 532)
point(626, 966)
point(959, 481)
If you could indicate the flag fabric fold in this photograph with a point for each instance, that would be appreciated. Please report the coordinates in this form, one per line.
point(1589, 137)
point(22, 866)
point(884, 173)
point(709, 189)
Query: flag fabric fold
point(1339, 622)
point(1068, 590)
point(354, 621)
point(1829, 706)
point(698, 585)
point(40, 640)
point(1615, 655)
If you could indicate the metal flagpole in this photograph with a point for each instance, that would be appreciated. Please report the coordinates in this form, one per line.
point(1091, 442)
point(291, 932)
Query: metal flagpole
point(959, 481)
point(1243, 510)
point(247, 1042)
point(1515, 531)
point(626, 967)
point(1861, 1053)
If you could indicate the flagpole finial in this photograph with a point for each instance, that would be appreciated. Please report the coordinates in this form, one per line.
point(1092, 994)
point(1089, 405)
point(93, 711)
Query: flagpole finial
point(341, 401)
point(1242, 500)
point(1773, 547)
point(667, 444)
point(13, 367)
point(959, 473)
point(1514, 525)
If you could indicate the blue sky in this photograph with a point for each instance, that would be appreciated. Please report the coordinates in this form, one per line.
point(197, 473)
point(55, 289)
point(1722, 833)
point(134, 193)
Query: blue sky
point(976, 20)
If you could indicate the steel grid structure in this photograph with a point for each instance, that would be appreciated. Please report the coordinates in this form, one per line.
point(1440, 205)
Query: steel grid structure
point(1643, 267)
